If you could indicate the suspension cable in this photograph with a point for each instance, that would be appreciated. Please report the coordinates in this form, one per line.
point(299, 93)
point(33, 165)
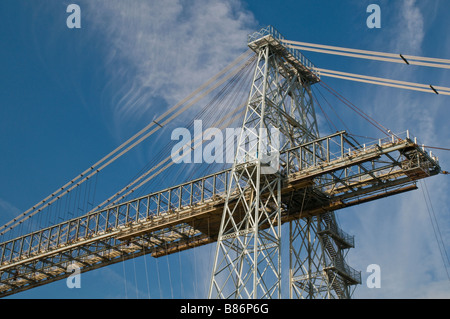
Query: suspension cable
point(436, 229)
point(235, 114)
point(385, 82)
point(358, 111)
point(94, 169)
point(130, 189)
point(371, 55)
point(437, 148)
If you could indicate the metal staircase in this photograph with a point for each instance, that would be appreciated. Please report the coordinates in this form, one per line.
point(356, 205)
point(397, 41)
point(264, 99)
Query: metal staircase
point(335, 243)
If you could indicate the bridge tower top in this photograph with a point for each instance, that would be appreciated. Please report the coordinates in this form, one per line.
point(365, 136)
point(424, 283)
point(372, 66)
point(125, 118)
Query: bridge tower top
point(270, 36)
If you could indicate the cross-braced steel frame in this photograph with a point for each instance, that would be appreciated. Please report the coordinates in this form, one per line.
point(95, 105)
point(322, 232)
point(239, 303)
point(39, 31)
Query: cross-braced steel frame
point(248, 256)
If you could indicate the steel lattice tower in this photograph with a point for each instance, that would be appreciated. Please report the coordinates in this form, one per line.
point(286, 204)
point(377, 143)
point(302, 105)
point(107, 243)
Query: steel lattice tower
point(280, 115)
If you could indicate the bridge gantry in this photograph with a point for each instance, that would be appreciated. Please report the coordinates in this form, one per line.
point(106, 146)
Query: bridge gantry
point(284, 172)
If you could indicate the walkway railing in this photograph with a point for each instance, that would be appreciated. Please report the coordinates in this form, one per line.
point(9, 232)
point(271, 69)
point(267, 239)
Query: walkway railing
point(270, 30)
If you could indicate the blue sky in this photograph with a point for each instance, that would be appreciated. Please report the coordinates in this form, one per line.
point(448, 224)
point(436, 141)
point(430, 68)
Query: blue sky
point(69, 96)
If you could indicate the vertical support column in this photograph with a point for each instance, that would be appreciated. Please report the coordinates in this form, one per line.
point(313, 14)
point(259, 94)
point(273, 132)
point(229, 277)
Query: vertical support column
point(247, 262)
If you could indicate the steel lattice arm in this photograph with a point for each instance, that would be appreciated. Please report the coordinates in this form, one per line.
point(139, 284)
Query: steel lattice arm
point(188, 215)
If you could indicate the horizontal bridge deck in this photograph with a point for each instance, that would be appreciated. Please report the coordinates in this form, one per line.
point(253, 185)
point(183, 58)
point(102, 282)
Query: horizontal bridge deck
point(331, 173)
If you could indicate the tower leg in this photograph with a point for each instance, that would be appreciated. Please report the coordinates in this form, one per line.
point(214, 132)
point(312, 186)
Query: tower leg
point(279, 116)
point(248, 261)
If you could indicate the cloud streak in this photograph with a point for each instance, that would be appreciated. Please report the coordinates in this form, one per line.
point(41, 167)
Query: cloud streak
point(396, 233)
point(159, 53)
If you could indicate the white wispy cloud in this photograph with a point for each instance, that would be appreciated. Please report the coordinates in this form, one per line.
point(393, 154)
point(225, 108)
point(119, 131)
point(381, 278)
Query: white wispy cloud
point(159, 52)
point(8, 211)
point(397, 233)
point(412, 28)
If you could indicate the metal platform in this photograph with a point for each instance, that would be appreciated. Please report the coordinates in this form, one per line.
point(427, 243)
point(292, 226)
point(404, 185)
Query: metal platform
point(269, 35)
